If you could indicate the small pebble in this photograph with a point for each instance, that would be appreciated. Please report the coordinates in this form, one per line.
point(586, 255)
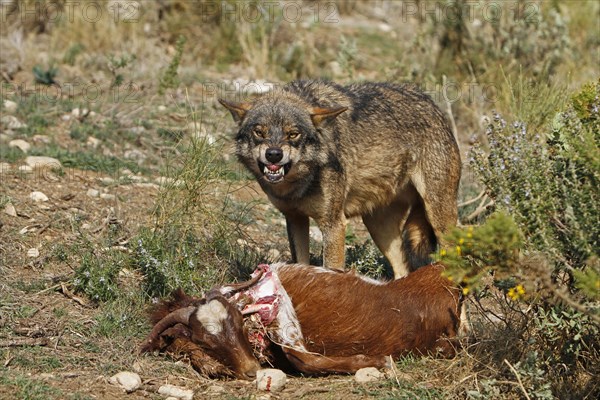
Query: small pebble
point(129, 381)
point(12, 122)
point(9, 209)
point(270, 380)
point(33, 253)
point(38, 197)
point(10, 107)
point(20, 144)
point(176, 391)
point(369, 374)
point(42, 162)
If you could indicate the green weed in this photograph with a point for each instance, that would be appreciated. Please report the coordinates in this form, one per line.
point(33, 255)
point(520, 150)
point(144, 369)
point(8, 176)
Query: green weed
point(45, 76)
point(170, 79)
point(72, 53)
point(89, 161)
point(27, 388)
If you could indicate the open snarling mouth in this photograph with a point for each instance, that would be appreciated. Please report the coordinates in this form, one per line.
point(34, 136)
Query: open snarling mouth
point(274, 172)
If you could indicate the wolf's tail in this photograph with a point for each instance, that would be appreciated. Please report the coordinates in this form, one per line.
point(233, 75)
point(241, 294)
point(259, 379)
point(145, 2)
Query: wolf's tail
point(419, 239)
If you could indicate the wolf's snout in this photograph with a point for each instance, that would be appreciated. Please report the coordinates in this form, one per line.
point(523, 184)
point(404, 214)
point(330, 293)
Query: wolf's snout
point(274, 154)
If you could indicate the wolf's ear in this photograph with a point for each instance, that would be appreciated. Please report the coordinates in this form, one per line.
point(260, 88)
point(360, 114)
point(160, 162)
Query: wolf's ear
point(318, 115)
point(238, 110)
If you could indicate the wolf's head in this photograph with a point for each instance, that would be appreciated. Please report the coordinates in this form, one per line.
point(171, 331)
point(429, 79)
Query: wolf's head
point(279, 135)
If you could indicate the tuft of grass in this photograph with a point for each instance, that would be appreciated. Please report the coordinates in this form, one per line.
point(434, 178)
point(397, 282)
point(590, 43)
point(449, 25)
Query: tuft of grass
point(89, 161)
point(26, 387)
point(45, 76)
point(11, 154)
point(72, 53)
point(170, 78)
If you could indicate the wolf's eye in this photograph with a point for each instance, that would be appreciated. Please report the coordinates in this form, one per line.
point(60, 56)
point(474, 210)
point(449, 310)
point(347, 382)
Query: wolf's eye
point(293, 135)
point(259, 132)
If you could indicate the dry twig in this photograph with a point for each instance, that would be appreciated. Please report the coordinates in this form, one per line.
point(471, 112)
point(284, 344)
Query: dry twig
point(516, 373)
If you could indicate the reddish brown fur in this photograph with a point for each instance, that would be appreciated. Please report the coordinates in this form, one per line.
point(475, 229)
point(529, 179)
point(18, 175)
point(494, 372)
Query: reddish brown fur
point(354, 326)
point(410, 314)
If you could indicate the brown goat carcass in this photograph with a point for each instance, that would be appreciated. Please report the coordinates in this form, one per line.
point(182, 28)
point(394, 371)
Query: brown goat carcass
point(312, 320)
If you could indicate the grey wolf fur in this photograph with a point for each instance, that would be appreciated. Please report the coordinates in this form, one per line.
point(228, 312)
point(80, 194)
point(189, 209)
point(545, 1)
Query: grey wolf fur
point(381, 151)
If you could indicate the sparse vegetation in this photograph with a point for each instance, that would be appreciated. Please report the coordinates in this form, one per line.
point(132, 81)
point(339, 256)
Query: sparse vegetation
point(149, 197)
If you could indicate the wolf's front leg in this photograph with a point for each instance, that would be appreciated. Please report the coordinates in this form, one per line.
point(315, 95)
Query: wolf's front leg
point(297, 230)
point(334, 243)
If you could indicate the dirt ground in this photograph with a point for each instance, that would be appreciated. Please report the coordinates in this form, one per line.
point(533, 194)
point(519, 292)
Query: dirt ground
point(44, 326)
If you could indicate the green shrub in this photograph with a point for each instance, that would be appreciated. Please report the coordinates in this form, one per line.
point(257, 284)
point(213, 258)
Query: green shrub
point(172, 259)
point(533, 264)
point(96, 277)
point(549, 184)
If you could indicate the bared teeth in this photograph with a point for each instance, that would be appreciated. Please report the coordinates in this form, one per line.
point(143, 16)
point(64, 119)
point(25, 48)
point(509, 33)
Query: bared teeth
point(279, 171)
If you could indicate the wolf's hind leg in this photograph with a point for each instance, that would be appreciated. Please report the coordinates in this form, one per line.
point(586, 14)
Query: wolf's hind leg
point(385, 226)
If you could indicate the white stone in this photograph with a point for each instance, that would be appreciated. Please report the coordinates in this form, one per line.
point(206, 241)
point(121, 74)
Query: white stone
point(270, 380)
point(41, 139)
point(10, 107)
point(369, 374)
point(9, 209)
point(93, 193)
point(385, 27)
point(20, 144)
point(135, 155)
point(26, 169)
point(12, 122)
point(129, 381)
point(93, 142)
point(76, 112)
point(161, 109)
point(107, 181)
point(107, 196)
point(176, 391)
point(42, 162)
point(4, 167)
point(38, 197)
point(33, 253)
